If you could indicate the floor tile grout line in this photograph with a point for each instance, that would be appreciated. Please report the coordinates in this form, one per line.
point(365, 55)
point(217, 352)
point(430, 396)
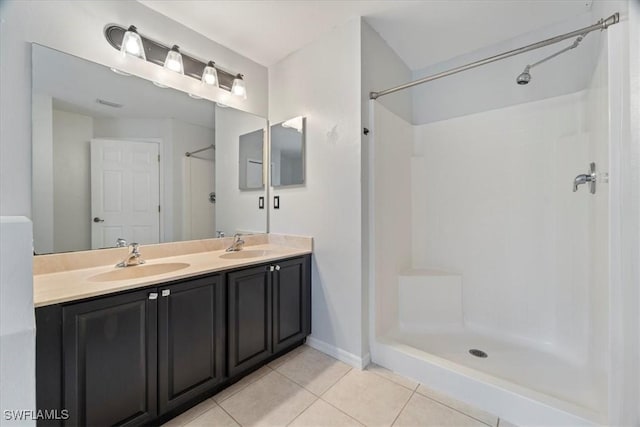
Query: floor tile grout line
point(303, 411)
point(337, 381)
point(403, 406)
point(455, 409)
point(225, 411)
point(242, 388)
point(334, 406)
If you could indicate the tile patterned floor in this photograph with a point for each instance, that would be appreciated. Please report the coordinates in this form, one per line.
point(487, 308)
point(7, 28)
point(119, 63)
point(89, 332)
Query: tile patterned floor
point(307, 388)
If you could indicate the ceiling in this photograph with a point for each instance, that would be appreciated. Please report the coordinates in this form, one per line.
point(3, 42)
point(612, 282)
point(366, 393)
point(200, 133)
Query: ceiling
point(268, 30)
point(76, 84)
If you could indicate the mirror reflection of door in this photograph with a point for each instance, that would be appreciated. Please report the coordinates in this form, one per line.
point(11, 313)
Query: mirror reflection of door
point(125, 192)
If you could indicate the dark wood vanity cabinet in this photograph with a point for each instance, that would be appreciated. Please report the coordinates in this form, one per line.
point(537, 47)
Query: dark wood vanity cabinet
point(269, 311)
point(250, 314)
point(191, 340)
point(110, 360)
point(291, 302)
point(140, 357)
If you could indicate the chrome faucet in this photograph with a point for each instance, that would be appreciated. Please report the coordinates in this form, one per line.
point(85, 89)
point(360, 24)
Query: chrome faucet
point(133, 258)
point(121, 243)
point(237, 244)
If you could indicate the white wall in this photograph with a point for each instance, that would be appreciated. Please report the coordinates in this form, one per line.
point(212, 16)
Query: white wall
point(236, 210)
point(622, 80)
point(17, 325)
point(72, 134)
point(328, 206)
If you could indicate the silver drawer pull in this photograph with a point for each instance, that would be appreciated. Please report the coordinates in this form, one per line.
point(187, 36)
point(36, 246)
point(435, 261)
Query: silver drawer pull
point(166, 292)
point(277, 268)
point(153, 295)
point(271, 268)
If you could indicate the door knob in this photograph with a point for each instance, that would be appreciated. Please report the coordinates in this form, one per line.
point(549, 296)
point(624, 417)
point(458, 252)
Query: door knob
point(98, 219)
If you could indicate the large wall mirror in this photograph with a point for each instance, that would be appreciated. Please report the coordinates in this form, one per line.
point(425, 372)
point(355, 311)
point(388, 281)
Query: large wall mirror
point(115, 156)
point(287, 152)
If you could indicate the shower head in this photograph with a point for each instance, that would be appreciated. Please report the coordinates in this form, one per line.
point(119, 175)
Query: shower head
point(525, 77)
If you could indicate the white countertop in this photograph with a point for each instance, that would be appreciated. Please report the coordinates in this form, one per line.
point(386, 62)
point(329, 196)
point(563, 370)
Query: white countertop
point(76, 284)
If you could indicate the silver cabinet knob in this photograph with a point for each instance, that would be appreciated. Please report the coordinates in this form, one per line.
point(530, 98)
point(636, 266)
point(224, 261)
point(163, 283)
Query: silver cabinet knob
point(166, 292)
point(277, 268)
point(271, 268)
point(153, 295)
point(98, 219)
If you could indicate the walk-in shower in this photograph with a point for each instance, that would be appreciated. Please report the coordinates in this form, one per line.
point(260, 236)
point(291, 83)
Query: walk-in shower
point(489, 275)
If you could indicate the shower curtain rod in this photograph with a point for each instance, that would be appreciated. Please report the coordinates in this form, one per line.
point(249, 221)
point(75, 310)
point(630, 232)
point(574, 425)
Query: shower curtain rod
point(210, 147)
point(602, 24)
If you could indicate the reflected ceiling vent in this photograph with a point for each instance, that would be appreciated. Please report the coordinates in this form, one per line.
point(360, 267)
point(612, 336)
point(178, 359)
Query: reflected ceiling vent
point(109, 104)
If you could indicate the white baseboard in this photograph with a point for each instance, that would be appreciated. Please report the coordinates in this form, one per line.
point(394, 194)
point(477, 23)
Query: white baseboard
point(340, 354)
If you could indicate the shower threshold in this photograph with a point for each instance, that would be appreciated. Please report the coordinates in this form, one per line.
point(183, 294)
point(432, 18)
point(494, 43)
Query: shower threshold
point(519, 370)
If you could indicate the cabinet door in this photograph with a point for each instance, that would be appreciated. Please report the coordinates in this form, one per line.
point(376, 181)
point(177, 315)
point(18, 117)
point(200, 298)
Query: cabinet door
point(291, 302)
point(250, 338)
point(191, 323)
point(110, 369)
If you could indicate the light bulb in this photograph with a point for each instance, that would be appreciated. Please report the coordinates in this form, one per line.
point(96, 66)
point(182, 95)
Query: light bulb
point(132, 44)
point(238, 88)
point(210, 74)
point(173, 61)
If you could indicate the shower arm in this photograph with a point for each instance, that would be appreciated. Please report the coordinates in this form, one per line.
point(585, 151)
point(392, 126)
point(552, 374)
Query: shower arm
point(560, 52)
point(602, 24)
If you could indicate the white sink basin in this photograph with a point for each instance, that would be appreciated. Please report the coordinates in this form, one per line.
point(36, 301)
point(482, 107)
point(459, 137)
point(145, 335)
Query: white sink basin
point(249, 253)
point(138, 271)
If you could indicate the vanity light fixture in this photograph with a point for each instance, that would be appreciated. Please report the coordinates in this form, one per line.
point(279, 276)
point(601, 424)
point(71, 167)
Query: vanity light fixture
point(238, 88)
point(132, 43)
point(210, 75)
point(174, 60)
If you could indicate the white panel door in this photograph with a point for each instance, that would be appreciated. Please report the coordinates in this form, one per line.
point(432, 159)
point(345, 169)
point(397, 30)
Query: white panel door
point(125, 192)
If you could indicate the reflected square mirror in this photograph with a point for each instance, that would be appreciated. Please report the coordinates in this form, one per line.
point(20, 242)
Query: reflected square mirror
point(288, 152)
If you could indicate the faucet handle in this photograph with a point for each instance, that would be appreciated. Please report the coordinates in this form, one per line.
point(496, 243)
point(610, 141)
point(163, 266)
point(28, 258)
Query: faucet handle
point(135, 248)
point(121, 243)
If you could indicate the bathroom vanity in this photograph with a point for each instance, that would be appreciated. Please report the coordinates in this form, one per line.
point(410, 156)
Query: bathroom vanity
point(140, 350)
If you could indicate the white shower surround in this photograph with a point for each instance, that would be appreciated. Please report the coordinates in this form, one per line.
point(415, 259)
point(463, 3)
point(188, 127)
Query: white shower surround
point(494, 204)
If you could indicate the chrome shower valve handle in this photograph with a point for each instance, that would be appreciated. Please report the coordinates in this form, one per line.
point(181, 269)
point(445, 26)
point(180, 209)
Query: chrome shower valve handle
point(589, 177)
